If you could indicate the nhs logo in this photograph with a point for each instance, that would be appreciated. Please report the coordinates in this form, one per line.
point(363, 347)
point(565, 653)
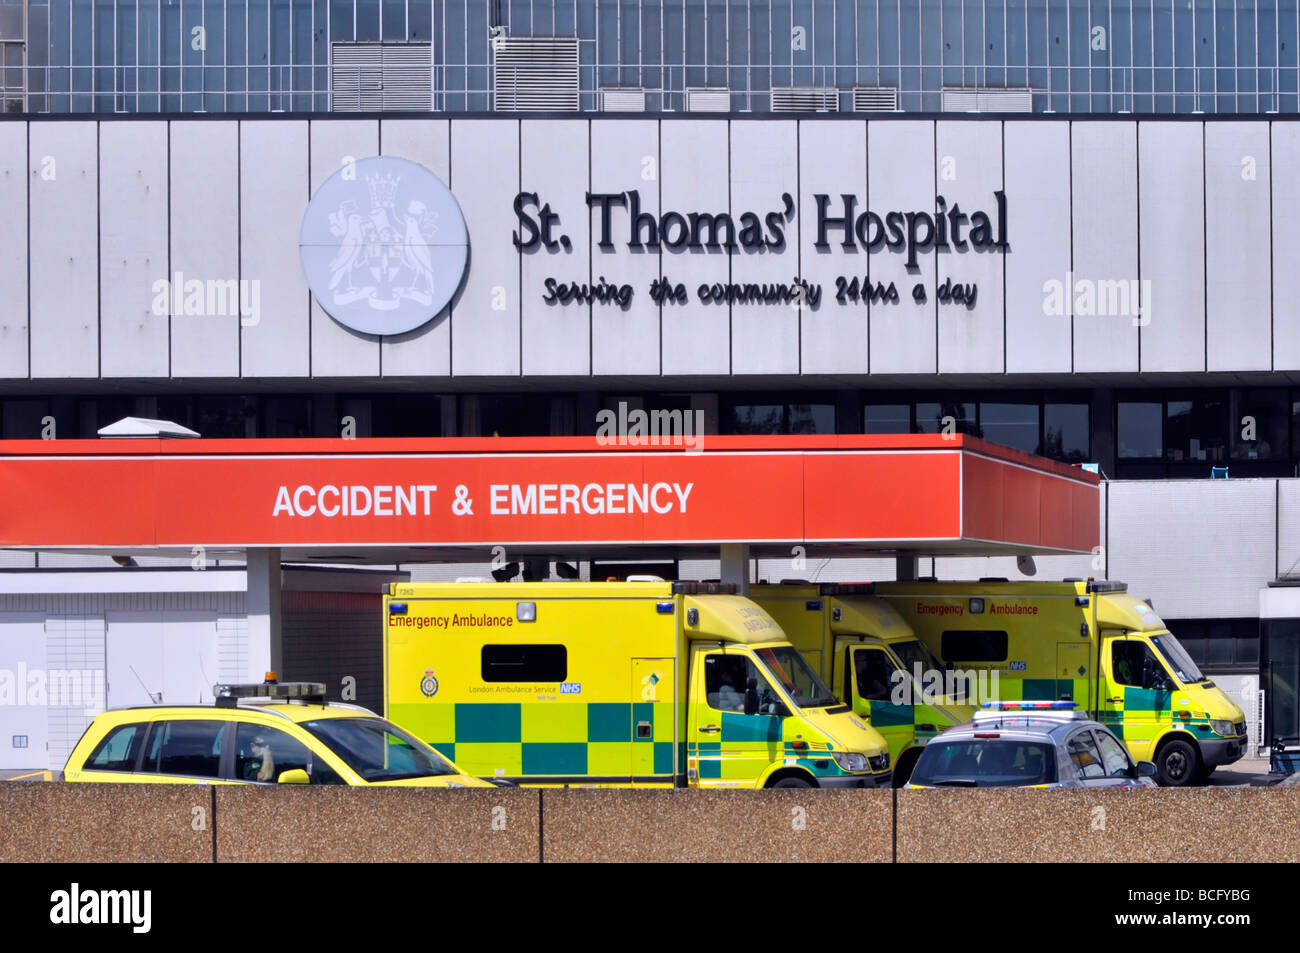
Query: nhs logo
point(570, 688)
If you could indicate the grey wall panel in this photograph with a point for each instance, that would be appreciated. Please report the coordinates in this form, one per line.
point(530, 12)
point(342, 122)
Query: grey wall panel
point(1170, 175)
point(1239, 325)
point(971, 339)
point(900, 177)
point(337, 351)
point(64, 177)
point(1200, 549)
point(557, 337)
point(1286, 238)
point(1037, 157)
point(205, 244)
point(1104, 197)
point(274, 189)
point(426, 351)
point(625, 157)
point(13, 265)
point(696, 336)
point(133, 254)
point(1288, 524)
point(834, 337)
point(764, 164)
point(485, 314)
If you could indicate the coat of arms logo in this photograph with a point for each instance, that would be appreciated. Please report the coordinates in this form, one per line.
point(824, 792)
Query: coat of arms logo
point(383, 245)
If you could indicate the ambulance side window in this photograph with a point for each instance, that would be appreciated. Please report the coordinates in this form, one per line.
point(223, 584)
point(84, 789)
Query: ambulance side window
point(874, 672)
point(727, 679)
point(1133, 663)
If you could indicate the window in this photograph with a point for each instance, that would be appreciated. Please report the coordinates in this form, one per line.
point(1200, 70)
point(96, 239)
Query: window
point(1114, 758)
point(1011, 425)
point(797, 678)
point(974, 646)
point(1257, 424)
point(985, 764)
point(768, 418)
point(1132, 663)
point(378, 750)
point(887, 418)
point(525, 663)
point(118, 750)
point(191, 748)
point(264, 754)
point(1082, 750)
point(875, 674)
point(931, 417)
point(1066, 432)
point(732, 682)
point(1195, 429)
point(1140, 430)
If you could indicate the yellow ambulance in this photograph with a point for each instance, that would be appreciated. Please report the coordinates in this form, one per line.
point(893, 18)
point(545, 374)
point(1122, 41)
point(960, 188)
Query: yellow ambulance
point(872, 660)
point(1090, 642)
point(638, 683)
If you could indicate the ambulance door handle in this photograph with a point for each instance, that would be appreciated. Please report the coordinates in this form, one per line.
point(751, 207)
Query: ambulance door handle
point(1117, 699)
point(711, 729)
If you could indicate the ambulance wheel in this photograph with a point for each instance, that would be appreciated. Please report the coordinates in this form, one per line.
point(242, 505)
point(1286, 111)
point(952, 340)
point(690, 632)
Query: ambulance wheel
point(792, 783)
point(1177, 764)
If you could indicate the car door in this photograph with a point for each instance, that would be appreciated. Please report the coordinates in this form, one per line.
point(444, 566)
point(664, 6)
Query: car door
point(1085, 756)
point(186, 750)
point(882, 696)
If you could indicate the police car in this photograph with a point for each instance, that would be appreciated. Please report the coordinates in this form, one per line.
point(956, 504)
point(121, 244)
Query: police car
point(1029, 744)
point(264, 733)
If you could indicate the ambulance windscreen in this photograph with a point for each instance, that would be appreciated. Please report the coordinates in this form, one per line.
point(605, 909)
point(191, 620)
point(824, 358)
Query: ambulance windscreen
point(797, 678)
point(1176, 658)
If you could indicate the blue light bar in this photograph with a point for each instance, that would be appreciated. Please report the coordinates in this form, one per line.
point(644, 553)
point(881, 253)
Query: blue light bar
point(1031, 706)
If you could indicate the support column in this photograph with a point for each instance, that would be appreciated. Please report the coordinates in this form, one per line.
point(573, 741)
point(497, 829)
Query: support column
point(735, 566)
point(905, 566)
point(265, 648)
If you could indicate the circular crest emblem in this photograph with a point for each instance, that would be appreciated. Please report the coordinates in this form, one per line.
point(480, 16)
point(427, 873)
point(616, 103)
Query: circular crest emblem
point(383, 245)
point(429, 684)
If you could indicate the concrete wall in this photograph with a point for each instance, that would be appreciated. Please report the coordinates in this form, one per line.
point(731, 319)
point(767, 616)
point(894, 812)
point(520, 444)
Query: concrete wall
point(116, 205)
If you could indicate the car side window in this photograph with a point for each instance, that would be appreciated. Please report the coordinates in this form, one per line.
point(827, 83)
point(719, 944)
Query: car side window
point(1087, 759)
point(1113, 756)
point(263, 754)
point(189, 748)
point(118, 750)
point(875, 674)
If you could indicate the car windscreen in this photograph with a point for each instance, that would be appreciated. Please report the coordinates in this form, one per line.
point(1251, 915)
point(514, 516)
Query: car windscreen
point(378, 750)
point(788, 668)
point(985, 763)
point(1177, 659)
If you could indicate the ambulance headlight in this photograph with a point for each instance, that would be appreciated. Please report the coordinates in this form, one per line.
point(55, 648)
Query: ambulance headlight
point(1225, 728)
point(851, 761)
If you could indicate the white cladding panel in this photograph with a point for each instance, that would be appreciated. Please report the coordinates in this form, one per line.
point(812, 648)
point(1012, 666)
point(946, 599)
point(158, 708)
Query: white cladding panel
point(13, 264)
point(338, 351)
point(696, 335)
point(557, 336)
point(1173, 246)
point(1104, 200)
point(274, 188)
point(1286, 238)
point(625, 157)
point(425, 351)
point(1288, 526)
point(134, 281)
point(485, 314)
point(205, 245)
point(24, 718)
point(901, 177)
point(64, 222)
point(834, 337)
point(1038, 219)
point(764, 164)
point(1200, 549)
point(971, 338)
point(1239, 327)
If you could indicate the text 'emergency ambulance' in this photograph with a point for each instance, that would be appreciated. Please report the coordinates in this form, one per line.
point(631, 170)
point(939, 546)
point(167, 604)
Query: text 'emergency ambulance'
point(558, 499)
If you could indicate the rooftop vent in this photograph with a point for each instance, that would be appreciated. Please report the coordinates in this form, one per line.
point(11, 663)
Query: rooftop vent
point(144, 427)
point(805, 100)
point(535, 74)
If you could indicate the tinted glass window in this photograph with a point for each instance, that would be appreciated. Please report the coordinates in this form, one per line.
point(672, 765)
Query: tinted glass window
point(974, 646)
point(932, 418)
point(118, 750)
point(1196, 430)
point(728, 679)
point(1065, 432)
point(1087, 759)
point(1132, 663)
point(263, 754)
point(1140, 430)
point(1114, 758)
point(525, 663)
point(191, 748)
point(985, 764)
point(887, 418)
point(1012, 425)
point(1257, 424)
point(874, 673)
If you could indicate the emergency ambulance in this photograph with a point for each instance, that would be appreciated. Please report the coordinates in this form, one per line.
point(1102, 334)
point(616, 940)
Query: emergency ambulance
point(871, 659)
point(637, 683)
point(1090, 642)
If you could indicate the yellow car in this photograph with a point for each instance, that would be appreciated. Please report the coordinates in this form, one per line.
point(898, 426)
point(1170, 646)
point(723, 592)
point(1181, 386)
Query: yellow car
point(289, 735)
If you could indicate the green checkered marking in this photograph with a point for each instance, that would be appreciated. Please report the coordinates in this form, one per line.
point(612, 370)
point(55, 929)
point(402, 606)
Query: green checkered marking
point(488, 722)
point(609, 721)
point(736, 727)
point(563, 758)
